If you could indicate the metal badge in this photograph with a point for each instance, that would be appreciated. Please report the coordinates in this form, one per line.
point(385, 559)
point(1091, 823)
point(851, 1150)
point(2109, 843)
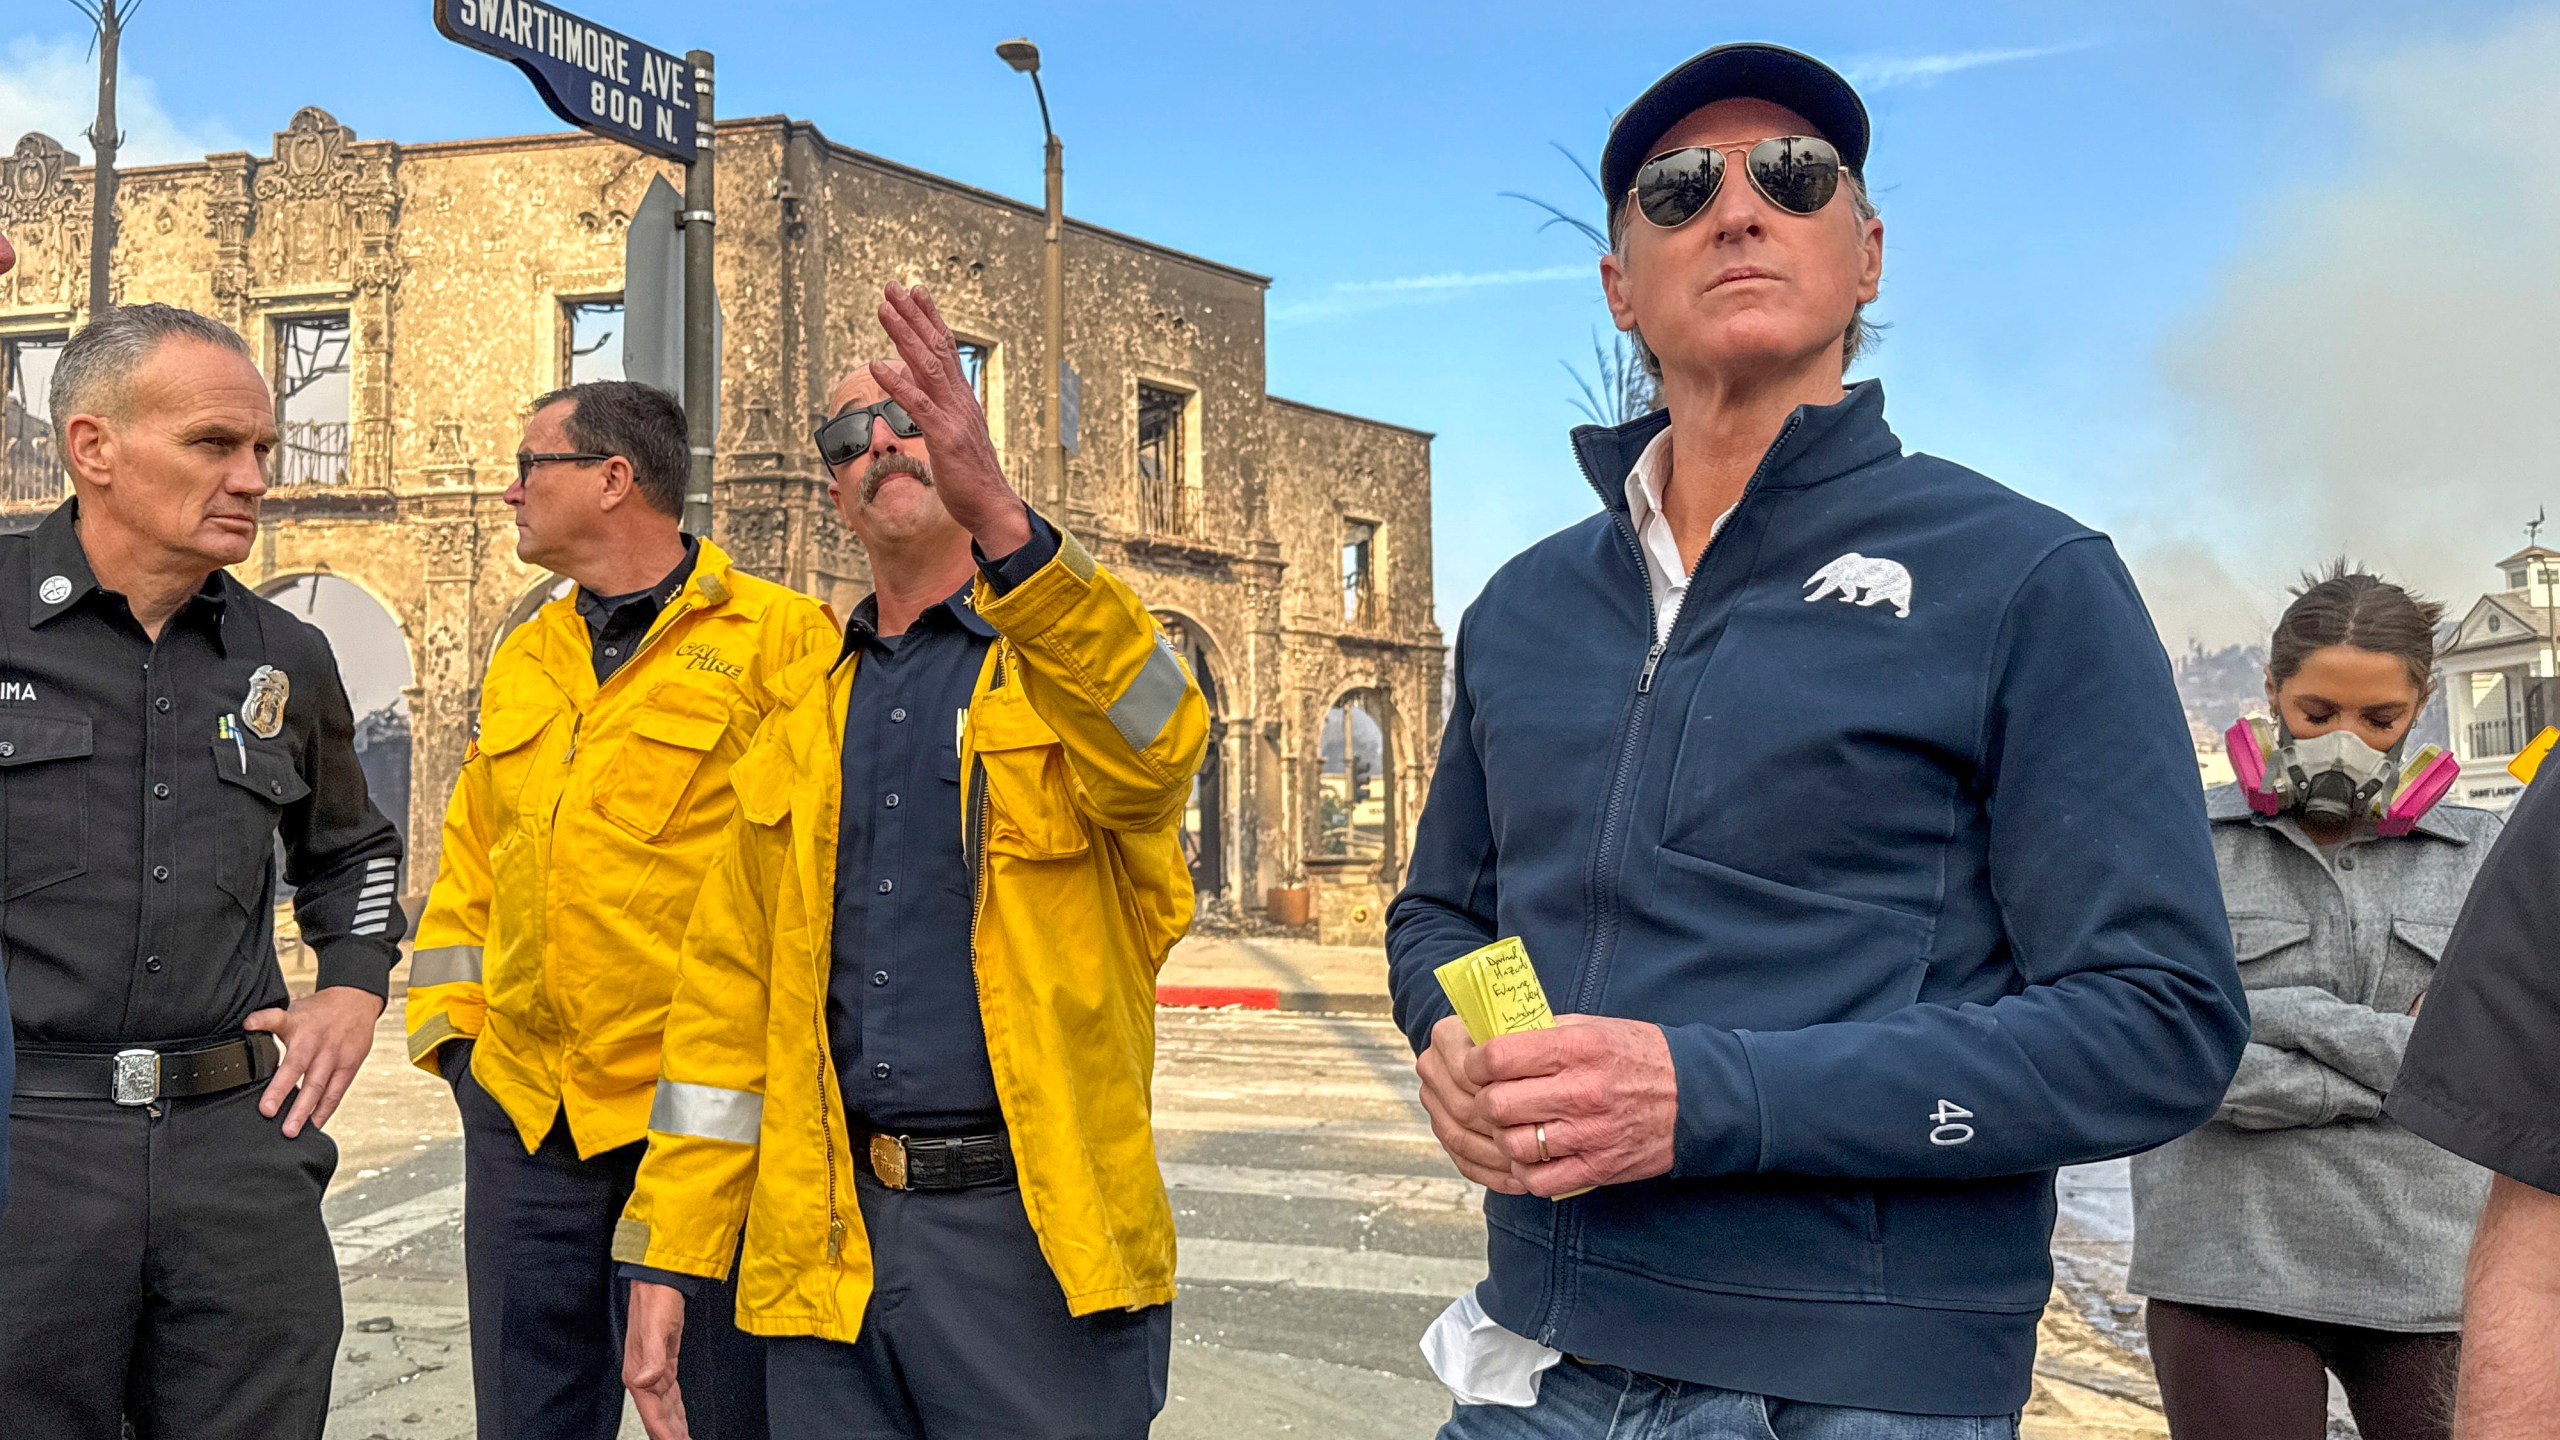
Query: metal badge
point(137, 1077)
point(263, 711)
point(55, 589)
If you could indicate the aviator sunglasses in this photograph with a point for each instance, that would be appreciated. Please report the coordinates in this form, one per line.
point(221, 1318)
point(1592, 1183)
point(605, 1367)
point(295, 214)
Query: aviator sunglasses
point(1797, 173)
point(844, 438)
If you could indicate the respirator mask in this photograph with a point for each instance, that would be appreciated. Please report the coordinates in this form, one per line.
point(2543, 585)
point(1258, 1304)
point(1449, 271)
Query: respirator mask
point(2336, 777)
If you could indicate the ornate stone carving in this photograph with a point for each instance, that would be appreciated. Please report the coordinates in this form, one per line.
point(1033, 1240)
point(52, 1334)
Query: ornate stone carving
point(47, 218)
point(227, 214)
point(32, 182)
point(326, 204)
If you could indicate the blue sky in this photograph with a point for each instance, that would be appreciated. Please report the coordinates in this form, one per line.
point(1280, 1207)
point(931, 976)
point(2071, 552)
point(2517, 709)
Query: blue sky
point(2138, 257)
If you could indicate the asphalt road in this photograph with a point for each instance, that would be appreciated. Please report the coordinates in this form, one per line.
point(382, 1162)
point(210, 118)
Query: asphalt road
point(1321, 1230)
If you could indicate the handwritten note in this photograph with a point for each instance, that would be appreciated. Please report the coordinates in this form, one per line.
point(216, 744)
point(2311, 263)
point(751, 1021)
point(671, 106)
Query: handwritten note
point(1496, 991)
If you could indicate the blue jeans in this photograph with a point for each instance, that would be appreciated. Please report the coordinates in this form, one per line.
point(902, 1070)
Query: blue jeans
point(1603, 1402)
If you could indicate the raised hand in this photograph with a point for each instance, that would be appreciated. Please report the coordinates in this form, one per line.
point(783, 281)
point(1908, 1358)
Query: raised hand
point(928, 381)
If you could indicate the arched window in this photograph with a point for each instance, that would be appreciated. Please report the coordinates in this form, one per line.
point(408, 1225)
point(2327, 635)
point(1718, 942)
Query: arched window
point(373, 662)
point(1351, 784)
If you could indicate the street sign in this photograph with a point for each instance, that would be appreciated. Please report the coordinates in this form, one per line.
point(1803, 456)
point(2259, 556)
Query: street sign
point(594, 78)
point(653, 313)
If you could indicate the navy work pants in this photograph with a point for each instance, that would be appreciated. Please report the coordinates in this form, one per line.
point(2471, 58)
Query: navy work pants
point(166, 1263)
point(547, 1307)
point(968, 1336)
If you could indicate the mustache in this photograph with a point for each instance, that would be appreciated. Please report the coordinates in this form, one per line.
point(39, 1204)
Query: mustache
point(888, 465)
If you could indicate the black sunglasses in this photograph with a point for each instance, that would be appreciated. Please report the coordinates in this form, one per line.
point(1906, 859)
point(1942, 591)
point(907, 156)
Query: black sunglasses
point(846, 436)
point(525, 463)
point(1797, 173)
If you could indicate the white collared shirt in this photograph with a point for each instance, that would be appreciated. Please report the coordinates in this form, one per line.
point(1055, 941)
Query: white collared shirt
point(1662, 558)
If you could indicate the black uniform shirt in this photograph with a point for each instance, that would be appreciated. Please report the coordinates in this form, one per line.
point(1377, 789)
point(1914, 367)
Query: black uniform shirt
point(616, 624)
point(2481, 1076)
point(139, 807)
point(902, 993)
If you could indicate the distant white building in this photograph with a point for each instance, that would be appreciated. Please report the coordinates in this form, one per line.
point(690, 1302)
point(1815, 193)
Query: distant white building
point(2500, 676)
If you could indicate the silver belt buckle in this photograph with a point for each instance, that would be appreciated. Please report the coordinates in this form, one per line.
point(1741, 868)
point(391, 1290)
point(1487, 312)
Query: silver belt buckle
point(137, 1079)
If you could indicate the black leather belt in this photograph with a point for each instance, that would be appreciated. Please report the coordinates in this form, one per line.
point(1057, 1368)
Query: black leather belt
point(142, 1076)
point(941, 1162)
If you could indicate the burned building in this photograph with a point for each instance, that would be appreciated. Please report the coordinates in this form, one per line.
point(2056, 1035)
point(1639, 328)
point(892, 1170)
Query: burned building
point(408, 300)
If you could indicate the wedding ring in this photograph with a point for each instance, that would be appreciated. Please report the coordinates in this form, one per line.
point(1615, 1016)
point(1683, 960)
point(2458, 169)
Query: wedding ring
point(1543, 1156)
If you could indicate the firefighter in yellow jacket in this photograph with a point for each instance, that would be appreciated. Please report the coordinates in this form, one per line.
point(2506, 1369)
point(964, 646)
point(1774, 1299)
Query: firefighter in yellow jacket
point(593, 801)
point(913, 1038)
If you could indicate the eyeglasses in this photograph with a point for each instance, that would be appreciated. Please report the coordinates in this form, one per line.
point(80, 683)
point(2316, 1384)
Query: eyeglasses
point(1797, 173)
point(525, 462)
point(846, 436)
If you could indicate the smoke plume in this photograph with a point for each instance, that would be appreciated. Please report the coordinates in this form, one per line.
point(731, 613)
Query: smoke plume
point(2377, 376)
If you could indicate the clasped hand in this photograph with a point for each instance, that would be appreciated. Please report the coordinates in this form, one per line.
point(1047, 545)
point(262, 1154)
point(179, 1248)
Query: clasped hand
point(1603, 1090)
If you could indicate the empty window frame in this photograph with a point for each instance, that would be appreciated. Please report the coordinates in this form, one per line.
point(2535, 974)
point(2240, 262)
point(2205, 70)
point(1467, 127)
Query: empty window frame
point(976, 358)
point(1164, 498)
point(313, 396)
point(30, 470)
point(590, 341)
point(1359, 571)
point(1351, 783)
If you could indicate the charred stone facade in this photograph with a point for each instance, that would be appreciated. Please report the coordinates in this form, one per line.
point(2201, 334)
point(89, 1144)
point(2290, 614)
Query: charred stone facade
point(1289, 547)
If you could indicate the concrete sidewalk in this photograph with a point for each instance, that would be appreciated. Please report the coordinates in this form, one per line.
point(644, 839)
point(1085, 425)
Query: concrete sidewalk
point(1272, 974)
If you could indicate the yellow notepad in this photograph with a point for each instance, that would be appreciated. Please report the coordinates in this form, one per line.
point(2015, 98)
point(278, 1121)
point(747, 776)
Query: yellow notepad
point(1496, 990)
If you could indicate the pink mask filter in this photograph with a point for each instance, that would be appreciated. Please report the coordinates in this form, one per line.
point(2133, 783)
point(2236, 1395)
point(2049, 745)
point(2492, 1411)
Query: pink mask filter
point(2428, 779)
point(2248, 750)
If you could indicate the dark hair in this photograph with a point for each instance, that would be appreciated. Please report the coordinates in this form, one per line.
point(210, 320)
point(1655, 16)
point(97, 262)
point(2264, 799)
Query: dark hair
point(2347, 606)
point(641, 423)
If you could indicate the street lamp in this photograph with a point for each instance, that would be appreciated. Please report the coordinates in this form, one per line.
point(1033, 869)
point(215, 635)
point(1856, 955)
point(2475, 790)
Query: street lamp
point(1024, 56)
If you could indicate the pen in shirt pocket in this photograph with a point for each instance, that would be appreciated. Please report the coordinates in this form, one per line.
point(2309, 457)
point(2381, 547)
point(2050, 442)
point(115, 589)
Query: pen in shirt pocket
point(228, 729)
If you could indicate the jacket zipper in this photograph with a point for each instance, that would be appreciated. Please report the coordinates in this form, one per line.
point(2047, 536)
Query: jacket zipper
point(666, 622)
point(1602, 890)
point(827, 1131)
point(828, 1094)
point(984, 808)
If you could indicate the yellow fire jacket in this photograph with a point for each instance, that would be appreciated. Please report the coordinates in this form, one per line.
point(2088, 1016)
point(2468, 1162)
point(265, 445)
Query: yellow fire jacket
point(577, 838)
point(1078, 748)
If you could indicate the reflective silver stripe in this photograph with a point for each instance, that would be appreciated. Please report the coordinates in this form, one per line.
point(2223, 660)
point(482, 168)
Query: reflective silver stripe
point(445, 965)
point(1142, 710)
point(707, 1111)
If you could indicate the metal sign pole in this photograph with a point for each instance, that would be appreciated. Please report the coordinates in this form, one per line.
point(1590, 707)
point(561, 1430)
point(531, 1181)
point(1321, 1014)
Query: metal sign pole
point(701, 358)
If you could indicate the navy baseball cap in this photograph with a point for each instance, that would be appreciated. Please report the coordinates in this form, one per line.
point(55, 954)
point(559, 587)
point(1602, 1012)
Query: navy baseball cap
point(1735, 72)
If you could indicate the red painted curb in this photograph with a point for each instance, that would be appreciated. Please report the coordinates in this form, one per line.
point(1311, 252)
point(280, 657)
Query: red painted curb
point(1214, 997)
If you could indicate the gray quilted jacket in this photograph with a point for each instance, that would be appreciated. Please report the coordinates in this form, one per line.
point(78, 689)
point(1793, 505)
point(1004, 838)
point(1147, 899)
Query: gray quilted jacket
point(2301, 1198)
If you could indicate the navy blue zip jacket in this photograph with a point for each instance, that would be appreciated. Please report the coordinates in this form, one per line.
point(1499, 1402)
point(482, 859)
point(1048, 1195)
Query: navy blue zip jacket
point(1899, 839)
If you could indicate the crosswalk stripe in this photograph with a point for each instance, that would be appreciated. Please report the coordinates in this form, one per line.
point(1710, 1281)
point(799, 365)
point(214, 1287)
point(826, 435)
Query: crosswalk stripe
point(1322, 1267)
point(368, 1235)
point(1383, 1272)
point(1427, 1192)
point(1265, 1122)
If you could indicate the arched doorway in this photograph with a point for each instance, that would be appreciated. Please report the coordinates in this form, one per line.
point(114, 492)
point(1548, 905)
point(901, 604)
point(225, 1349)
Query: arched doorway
point(1204, 826)
point(373, 663)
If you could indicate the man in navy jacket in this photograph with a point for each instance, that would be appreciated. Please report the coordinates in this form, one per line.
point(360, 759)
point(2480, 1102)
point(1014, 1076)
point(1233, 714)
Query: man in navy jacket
point(1844, 803)
point(8, 1036)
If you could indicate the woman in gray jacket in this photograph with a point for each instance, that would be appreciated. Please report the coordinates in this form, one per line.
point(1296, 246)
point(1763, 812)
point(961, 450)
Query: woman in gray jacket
point(2302, 1233)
